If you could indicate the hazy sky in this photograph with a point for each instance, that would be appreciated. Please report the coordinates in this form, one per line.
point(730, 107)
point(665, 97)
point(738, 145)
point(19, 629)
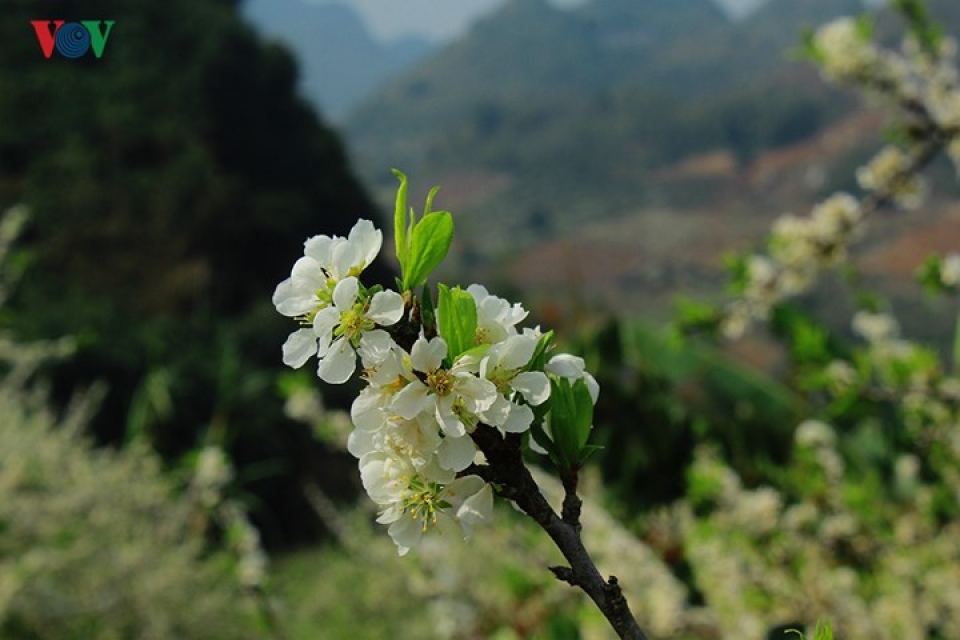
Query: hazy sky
point(440, 20)
point(433, 19)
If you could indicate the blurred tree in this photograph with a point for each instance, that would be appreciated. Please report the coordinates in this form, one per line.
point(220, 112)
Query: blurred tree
point(172, 181)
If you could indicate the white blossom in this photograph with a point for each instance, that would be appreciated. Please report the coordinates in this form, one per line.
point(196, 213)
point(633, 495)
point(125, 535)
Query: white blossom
point(496, 318)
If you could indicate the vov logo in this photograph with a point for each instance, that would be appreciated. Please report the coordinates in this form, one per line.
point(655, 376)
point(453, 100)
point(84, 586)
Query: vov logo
point(72, 39)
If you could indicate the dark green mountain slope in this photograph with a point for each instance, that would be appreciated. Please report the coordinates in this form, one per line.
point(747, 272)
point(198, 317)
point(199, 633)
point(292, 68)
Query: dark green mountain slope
point(172, 183)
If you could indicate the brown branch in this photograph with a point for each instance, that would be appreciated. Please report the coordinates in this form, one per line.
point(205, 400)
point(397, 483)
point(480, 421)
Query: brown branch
point(506, 471)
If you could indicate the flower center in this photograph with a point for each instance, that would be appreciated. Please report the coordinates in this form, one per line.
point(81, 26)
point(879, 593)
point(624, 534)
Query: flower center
point(440, 382)
point(353, 323)
point(424, 502)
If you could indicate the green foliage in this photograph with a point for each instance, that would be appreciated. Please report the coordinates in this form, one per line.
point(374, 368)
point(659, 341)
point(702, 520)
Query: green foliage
point(457, 320)
point(662, 392)
point(571, 421)
point(421, 245)
point(169, 181)
point(927, 32)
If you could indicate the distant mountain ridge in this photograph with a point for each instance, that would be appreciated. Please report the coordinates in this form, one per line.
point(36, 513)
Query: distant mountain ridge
point(340, 61)
point(595, 95)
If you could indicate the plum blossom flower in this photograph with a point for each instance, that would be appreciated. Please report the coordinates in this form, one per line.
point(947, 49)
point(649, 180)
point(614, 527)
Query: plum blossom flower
point(502, 365)
point(413, 501)
point(846, 54)
point(454, 396)
point(326, 261)
point(496, 318)
point(889, 173)
point(338, 329)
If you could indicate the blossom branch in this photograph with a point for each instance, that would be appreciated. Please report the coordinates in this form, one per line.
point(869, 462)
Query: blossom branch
point(506, 470)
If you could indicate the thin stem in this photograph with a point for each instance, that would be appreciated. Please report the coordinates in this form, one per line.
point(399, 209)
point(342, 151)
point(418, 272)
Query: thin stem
point(506, 470)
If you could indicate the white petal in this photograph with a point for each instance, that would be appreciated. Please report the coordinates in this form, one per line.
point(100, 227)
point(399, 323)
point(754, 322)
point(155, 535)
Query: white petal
point(456, 454)
point(325, 322)
point(448, 420)
point(517, 351)
point(406, 533)
point(480, 394)
point(592, 386)
point(298, 348)
point(498, 412)
point(319, 248)
point(338, 363)
point(360, 443)
point(366, 411)
point(428, 356)
point(307, 274)
point(344, 257)
point(345, 293)
point(566, 366)
point(410, 401)
point(534, 386)
point(367, 240)
point(386, 308)
point(290, 301)
point(521, 416)
point(375, 347)
point(478, 291)
point(477, 509)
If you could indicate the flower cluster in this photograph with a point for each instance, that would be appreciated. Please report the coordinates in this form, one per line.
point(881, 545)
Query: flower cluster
point(920, 82)
point(799, 249)
point(429, 384)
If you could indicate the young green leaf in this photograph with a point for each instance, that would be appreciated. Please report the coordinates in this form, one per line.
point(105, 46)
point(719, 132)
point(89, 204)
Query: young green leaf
point(584, 415)
point(539, 359)
point(429, 244)
point(400, 221)
point(456, 320)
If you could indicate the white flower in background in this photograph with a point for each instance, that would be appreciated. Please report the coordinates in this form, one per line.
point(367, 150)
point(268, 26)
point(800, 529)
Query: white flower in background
point(846, 54)
point(340, 328)
point(573, 368)
point(502, 366)
point(840, 375)
point(875, 327)
point(815, 434)
point(456, 397)
point(213, 472)
point(326, 261)
point(836, 217)
point(496, 318)
point(888, 174)
point(950, 270)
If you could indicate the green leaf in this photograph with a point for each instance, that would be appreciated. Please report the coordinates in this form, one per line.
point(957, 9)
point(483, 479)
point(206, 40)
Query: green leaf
point(456, 320)
point(429, 244)
point(571, 420)
point(539, 359)
point(428, 208)
point(400, 221)
point(584, 414)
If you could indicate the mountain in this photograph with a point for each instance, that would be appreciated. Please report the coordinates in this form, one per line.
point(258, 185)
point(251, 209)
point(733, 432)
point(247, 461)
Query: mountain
point(341, 62)
point(542, 119)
